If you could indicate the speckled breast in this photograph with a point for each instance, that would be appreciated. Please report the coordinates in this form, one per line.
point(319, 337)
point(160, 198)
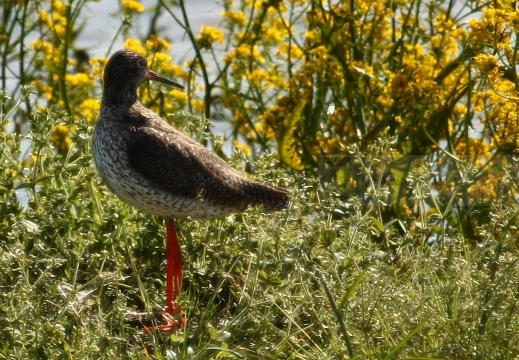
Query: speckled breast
point(114, 168)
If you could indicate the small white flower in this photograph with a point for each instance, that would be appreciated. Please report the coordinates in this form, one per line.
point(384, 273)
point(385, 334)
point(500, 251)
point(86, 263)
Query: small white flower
point(331, 109)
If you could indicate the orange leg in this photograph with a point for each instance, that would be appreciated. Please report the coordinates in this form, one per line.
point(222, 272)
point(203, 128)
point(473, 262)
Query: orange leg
point(173, 318)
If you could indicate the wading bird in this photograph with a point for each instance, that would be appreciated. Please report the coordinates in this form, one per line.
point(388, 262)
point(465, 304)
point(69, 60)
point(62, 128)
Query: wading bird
point(156, 168)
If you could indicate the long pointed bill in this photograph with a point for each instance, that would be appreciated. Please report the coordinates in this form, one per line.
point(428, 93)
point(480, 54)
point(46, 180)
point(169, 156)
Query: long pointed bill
point(152, 75)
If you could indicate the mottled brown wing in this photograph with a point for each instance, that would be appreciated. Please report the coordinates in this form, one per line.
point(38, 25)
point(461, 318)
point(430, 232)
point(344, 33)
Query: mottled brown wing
point(184, 167)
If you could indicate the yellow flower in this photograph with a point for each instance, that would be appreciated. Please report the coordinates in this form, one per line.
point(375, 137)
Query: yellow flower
point(178, 71)
point(132, 6)
point(60, 30)
point(45, 18)
point(243, 147)
point(90, 109)
point(78, 80)
point(59, 7)
point(485, 61)
point(45, 89)
point(235, 17)
point(32, 160)
point(180, 95)
point(198, 105)
point(301, 2)
point(160, 62)
point(292, 49)
point(42, 46)
point(257, 76)
point(209, 35)
point(273, 34)
point(312, 36)
point(157, 43)
point(246, 51)
point(60, 137)
point(97, 65)
point(135, 45)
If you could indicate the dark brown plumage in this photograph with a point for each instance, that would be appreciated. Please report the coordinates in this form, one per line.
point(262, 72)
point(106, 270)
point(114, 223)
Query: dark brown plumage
point(156, 168)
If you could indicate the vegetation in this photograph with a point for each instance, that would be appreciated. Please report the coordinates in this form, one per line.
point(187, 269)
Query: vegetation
point(392, 124)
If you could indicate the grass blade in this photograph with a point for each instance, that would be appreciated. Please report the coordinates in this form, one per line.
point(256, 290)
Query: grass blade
point(352, 288)
point(337, 315)
point(402, 343)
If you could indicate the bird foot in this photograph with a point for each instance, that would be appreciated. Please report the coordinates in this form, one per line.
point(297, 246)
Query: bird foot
point(170, 322)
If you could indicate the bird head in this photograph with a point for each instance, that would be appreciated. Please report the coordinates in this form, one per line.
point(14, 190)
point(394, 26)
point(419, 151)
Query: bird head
point(123, 74)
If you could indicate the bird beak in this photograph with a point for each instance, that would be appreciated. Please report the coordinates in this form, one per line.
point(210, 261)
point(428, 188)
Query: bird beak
point(154, 76)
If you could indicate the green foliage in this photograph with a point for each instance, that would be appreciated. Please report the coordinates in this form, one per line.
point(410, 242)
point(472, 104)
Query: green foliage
point(306, 283)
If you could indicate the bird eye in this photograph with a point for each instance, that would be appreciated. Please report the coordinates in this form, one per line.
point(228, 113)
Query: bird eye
point(141, 63)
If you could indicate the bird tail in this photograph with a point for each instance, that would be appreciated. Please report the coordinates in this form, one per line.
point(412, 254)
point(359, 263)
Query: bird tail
point(272, 198)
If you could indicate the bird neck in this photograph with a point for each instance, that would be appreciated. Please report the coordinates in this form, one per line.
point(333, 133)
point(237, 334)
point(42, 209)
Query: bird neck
point(118, 95)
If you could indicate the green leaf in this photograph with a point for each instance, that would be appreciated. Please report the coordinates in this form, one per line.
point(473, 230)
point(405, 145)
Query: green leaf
point(352, 289)
point(329, 236)
point(288, 149)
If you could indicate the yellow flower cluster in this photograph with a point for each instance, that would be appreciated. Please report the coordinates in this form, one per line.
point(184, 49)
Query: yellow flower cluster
point(495, 64)
point(290, 52)
point(61, 137)
point(132, 6)
point(245, 52)
point(209, 35)
point(79, 79)
point(89, 108)
point(155, 43)
point(57, 19)
point(135, 45)
point(242, 147)
point(235, 17)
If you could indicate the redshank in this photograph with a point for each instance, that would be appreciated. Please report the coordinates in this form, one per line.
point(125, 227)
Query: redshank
point(156, 168)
